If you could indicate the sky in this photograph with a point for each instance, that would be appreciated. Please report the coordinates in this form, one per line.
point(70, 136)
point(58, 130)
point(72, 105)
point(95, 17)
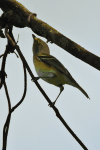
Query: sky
point(34, 124)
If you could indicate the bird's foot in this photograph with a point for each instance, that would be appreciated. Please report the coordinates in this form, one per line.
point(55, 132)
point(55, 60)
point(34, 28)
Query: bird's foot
point(35, 79)
point(52, 104)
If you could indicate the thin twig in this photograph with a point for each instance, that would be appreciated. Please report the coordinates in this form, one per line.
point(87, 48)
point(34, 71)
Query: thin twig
point(6, 91)
point(6, 126)
point(25, 89)
point(1, 55)
point(3, 74)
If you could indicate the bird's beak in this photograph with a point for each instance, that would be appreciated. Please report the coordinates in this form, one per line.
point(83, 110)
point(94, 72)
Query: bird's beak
point(33, 36)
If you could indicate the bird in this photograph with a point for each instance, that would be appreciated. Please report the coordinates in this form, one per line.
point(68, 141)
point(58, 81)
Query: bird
point(50, 69)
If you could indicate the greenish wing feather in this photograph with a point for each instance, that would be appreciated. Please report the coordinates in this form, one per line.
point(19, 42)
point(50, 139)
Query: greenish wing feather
point(52, 61)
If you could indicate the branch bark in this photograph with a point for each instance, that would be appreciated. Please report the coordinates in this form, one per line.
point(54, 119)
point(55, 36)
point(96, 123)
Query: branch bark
point(17, 15)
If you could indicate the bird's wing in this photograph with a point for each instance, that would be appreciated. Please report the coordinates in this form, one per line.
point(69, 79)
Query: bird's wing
point(52, 61)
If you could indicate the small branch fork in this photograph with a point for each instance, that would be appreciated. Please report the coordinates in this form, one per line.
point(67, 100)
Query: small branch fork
point(12, 45)
point(3, 82)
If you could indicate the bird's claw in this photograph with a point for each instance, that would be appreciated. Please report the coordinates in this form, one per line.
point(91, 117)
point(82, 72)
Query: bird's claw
point(35, 79)
point(53, 103)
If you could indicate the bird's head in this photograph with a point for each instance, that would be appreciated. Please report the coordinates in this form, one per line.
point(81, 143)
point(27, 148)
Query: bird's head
point(39, 46)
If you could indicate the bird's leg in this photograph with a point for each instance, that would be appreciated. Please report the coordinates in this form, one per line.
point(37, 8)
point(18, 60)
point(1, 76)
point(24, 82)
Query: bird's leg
point(61, 89)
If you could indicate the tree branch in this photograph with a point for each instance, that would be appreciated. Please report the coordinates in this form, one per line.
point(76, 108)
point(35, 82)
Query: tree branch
point(16, 14)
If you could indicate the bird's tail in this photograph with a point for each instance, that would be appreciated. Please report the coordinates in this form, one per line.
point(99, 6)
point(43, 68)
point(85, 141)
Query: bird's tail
point(79, 87)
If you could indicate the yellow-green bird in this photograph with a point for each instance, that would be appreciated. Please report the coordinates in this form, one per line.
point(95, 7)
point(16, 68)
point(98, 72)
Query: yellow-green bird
point(51, 69)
